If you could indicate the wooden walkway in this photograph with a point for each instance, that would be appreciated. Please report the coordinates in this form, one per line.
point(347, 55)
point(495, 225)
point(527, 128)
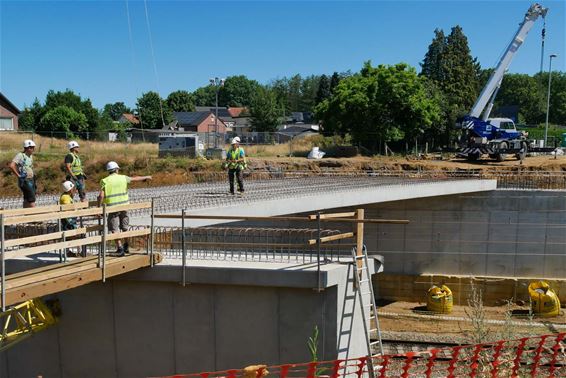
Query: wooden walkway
point(23, 286)
point(55, 278)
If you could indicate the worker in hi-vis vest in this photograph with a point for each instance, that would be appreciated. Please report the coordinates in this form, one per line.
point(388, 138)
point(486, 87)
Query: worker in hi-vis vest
point(74, 169)
point(236, 163)
point(114, 191)
point(66, 198)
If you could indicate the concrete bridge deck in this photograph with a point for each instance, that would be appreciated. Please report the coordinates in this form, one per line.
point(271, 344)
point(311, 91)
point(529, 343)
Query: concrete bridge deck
point(273, 195)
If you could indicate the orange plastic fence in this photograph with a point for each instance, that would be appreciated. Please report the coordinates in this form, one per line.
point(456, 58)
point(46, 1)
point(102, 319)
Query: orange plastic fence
point(543, 356)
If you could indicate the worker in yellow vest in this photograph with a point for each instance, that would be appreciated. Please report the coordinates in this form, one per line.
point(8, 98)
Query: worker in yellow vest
point(74, 169)
point(67, 198)
point(114, 191)
point(236, 163)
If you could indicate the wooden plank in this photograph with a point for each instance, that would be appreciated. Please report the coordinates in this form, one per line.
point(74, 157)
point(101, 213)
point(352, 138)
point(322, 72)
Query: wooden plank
point(128, 234)
point(69, 281)
point(50, 236)
point(51, 247)
point(359, 236)
point(333, 215)
point(74, 243)
point(30, 210)
point(53, 216)
point(302, 219)
point(131, 206)
point(74, 213)
point(37, 277)
point(49, 267)
point(74, 206)
point(325, 239)
point(43, 209)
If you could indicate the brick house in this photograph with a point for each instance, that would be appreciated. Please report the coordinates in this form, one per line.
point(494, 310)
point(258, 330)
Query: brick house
point(129, 118)
point(8, 114)
point(200, 121)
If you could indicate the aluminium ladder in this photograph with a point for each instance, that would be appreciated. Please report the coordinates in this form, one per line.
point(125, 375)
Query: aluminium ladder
point(364, 287)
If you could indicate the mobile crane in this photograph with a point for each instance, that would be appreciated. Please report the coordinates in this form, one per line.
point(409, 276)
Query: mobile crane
point(497, 137)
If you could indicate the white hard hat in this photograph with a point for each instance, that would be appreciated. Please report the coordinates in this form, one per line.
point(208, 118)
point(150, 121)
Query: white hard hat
point(72, 144)
point(67, 185)
point(235, 140)
point(111, 166)
point(29, 143)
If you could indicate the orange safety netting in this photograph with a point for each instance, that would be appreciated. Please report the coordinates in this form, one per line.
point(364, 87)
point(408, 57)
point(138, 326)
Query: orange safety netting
point(542, 356)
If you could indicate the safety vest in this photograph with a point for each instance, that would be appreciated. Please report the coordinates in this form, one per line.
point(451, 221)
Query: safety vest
point(235, 155)
point(67, 223)
point(65, 199)
point(115, 189)
point(76, 165)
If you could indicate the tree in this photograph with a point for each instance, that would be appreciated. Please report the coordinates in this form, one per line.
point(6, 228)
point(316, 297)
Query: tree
point(205, 96)
point(30, 116)
point(523, 91)
point(63, 121)
point(309, 88)
point(70, 99)
point(334, 81)
point(265, 111)
point(181, 101)
point(432, 66)
point(115, 110)
point(449, 65)
point(153, 111)
point(323, 91)
point(460, 82)
point(380, 103)
point(237, 91)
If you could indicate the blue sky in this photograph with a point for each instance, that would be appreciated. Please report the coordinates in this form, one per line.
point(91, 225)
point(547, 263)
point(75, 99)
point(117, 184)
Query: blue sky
point(85, 45)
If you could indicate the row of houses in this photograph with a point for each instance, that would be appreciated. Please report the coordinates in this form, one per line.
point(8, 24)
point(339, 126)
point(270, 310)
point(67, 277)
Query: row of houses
point(231, 121)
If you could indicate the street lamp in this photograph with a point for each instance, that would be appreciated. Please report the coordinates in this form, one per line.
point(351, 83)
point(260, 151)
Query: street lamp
point(548, 97)
point(216, 83)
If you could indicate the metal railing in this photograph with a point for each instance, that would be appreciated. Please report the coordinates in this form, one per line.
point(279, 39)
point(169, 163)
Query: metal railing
point(286, 245)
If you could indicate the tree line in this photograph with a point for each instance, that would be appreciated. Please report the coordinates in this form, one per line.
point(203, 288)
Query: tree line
point(383, 103)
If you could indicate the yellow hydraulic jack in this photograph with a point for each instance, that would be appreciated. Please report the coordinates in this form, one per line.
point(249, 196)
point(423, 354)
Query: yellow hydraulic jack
point(23, 320)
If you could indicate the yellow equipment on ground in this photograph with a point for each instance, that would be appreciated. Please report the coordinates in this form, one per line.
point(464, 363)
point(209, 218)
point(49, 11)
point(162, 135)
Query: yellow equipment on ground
point(439, 299)
point(544, 300)
point(23, 320)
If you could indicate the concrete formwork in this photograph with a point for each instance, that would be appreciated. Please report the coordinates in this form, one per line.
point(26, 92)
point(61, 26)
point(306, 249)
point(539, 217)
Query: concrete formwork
point(499, 233)
point(147, 324)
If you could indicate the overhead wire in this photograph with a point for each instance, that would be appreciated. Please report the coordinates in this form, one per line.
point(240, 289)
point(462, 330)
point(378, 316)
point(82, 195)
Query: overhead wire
point(153, 59)
point(134, 65)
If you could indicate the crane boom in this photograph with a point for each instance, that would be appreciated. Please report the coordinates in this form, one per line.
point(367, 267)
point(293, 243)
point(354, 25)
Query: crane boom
point(494, 81)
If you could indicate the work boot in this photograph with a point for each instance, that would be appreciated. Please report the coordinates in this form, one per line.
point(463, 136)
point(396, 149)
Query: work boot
point(120, 251)
point(126, 247)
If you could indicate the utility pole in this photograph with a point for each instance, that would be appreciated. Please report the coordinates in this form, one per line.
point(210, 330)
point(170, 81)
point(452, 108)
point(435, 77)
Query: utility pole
point(548, 98)
point(217, 83)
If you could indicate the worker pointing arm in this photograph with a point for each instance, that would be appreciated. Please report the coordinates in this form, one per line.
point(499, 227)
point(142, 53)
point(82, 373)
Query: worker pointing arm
point(114, 191)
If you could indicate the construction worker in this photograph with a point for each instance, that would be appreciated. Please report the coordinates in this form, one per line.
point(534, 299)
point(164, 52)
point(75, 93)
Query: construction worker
point(69, 191)
point(114, 191)
point(236, 163)
point(22, 166)
point(74, 169)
